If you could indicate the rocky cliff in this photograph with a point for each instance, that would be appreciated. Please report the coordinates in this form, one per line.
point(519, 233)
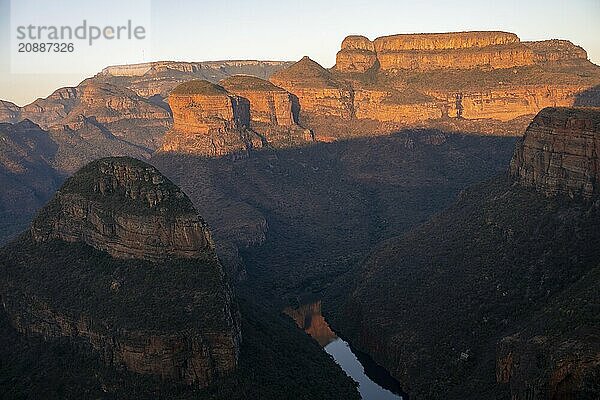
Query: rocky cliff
point(560, 152)
point(161, 77)
point(316, 88)
point(209, 121)
point(127, 209)
point(273, 111)
point(120, 263)
point(443, 80)
point(495, 296)
point(457, 50)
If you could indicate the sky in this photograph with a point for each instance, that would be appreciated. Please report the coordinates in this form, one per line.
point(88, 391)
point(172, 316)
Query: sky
point(202, 30)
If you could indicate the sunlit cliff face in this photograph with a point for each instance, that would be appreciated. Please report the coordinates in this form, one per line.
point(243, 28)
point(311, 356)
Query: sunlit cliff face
point(309, 318)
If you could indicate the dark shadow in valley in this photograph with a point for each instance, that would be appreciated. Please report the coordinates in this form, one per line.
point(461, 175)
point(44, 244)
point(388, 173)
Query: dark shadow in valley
point(304, 216)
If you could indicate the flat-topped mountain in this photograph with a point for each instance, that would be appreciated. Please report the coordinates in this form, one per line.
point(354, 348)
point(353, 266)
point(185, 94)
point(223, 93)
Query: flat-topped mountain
point(120, 264)
point(161, 77)
point(495, 296)
point(209, 121)
point(489, 82)
point(274, 112)
point(245, 113)
point(456, 50)
point(560, 152)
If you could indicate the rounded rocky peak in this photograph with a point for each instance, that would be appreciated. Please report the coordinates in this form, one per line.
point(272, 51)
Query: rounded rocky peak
point(129, 185)
point(305, 72)
point(199, 87)
point(249, 83)
point(357, 42)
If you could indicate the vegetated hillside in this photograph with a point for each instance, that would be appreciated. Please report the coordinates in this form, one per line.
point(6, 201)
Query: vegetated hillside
point(302, 217)
point(276, 361)
point(90, 311)
point(26, 175)
point(503, 260)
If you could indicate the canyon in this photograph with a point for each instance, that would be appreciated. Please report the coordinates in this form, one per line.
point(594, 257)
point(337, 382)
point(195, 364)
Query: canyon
point(389, 186)
point(461, 295)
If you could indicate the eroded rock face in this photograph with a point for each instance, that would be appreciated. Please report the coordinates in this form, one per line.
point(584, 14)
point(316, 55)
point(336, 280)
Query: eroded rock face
point(208, 120)
point(273, 110)
point(357, 55)
point(316, 88)
point(153, 299)
point(161, 77)
point(560, 153)
point(159, 222)
point(555, 50)
point(431, 51)
point(268, 103)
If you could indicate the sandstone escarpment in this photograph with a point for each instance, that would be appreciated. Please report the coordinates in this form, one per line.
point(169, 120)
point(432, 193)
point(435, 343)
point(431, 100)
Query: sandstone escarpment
point(268, 103)
point(556, 50)
point(120, 264)
point(126, 208)
point(210, 121)
point(357, 55)
point(316, 88)
point(161, 77)
point(560, 153)
point(105, 102)
point(273, 110)
point(431, 51)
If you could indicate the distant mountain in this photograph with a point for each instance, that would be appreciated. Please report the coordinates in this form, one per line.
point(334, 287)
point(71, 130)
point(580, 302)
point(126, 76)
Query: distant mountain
point(498, 293)
point(120, 111)
point(485, 82)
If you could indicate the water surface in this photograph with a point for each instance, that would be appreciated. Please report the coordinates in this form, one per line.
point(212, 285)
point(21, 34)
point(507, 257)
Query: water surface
point(374, 382)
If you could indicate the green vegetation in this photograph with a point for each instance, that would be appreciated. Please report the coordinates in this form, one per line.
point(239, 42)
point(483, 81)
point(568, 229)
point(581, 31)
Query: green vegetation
point(498, 259)
point(200, 87)
point(118, 196)
point(277, 361)
point(248, 82)
point(76, 280)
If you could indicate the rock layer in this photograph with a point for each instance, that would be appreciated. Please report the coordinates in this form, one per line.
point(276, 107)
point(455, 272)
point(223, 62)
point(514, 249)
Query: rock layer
point(164, 223)
point(273, 110)
point(208, 120)
point(560, 153)
point(316, 88)
point(152, 297)
point(431, 51)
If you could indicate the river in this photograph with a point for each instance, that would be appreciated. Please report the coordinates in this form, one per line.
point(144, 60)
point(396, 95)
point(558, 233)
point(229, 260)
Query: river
point(374, 382)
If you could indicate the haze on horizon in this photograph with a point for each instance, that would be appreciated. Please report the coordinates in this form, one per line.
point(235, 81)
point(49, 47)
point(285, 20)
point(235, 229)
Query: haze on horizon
point(272, 30)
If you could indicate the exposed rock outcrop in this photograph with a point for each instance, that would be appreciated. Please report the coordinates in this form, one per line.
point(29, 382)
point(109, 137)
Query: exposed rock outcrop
point(161, 77)
point(317, 89)
point(209, 121)
point(268, 103)
point(127, 209)
point(556, 50)
point(560, 152)
point(431, 51)
point(120, 263)
point(273, 111)
point(357, 55)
